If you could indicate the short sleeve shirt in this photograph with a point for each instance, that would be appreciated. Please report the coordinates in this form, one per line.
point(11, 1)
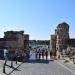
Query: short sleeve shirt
point(5, 52)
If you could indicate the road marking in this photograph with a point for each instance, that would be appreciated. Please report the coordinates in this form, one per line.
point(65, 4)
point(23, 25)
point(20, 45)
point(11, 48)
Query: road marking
point(65, 67)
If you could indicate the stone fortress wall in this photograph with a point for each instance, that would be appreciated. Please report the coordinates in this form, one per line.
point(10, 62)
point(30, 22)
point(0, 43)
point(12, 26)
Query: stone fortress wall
point(60, 40)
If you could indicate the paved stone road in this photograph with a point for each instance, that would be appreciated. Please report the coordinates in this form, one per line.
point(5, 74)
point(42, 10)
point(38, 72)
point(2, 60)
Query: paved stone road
point(41, 68)
point(35, 67)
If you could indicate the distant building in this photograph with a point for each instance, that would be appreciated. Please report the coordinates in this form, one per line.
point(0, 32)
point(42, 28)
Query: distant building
point(26, 42)
point(39, 42)
point(71, 42)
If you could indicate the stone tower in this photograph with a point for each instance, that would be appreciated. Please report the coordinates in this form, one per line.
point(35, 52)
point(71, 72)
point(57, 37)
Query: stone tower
point(62, 36)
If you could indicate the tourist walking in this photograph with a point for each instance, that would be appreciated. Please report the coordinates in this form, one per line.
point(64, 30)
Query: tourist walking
point(36, 54)
point(50, 53)
point(46, 54)
point(39, 53)
point(43, 52)
point(6, 58)
point(16, 56)
point(6, 55)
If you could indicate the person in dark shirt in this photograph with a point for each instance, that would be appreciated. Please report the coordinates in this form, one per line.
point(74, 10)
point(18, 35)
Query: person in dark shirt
point(46, 54)
point(43, 52)
point(36, 54)
point(39, 53)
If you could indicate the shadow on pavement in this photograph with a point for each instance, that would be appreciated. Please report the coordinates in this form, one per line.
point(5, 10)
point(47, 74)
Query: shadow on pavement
point(13, 69)
point(38, 61)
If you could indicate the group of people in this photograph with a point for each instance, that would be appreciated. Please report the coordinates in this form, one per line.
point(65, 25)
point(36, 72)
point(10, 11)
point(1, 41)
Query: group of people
point(18, 55)
point(41, 54)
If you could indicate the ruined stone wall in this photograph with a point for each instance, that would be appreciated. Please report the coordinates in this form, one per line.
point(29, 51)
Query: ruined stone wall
point(53, 44)
point(18, 35)
point(26, 42)
point(60, 39)
point(62, 36)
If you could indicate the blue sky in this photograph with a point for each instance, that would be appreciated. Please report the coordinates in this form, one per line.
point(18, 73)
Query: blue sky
point(38, 18)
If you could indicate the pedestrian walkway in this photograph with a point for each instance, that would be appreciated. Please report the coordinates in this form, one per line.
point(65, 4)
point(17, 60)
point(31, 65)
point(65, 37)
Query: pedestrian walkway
point(8, 69)
point(67, 64)
point(38, 67)
point(51, 68)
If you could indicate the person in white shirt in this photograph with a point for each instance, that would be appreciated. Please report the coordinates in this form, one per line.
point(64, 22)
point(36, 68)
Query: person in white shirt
point(6, 55)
